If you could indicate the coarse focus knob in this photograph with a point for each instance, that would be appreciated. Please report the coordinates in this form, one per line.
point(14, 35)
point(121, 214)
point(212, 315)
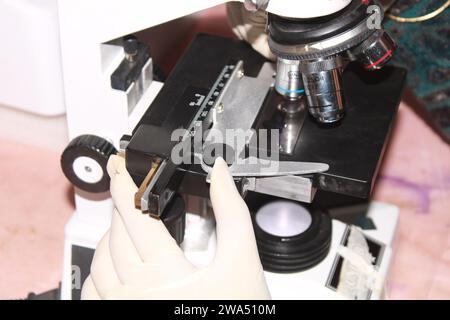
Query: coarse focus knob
point(84, 163)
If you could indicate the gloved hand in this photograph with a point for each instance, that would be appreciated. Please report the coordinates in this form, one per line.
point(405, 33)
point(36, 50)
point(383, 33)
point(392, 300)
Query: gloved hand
point(138, 259)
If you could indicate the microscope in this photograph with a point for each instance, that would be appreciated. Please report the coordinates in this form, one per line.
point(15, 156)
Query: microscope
point(304, 138)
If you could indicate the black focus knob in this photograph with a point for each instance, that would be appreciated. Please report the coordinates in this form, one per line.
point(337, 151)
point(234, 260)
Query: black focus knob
point(84, 163)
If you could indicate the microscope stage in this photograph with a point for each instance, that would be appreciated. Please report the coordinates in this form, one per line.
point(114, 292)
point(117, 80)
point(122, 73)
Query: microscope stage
point(353, 148)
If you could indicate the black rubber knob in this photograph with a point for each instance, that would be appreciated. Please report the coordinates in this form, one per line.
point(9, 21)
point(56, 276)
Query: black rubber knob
point(130, 45)
point(84, 163)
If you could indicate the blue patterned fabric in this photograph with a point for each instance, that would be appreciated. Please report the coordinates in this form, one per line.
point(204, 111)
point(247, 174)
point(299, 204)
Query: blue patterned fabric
point(423, 49)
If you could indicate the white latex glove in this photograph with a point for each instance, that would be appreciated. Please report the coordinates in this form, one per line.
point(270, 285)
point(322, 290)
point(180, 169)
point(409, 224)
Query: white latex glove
point(138, 259)
point(250, 26)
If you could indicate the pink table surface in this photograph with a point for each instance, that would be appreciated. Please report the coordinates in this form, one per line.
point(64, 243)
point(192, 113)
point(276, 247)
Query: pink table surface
point(416, 177)
point(36, 202)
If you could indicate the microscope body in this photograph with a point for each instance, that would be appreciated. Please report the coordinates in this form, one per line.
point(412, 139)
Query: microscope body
point(101, 109)
point(225, 84)
point(211, 79)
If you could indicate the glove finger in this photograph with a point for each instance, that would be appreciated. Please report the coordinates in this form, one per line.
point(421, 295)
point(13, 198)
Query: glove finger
point(235, 236)
point(149, 236)
point(89, 291)
point(165, 265)
point(103, 274)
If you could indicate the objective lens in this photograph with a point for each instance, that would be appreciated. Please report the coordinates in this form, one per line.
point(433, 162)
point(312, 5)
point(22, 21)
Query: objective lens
point(376, 50)
point(288, 80)
point(323, 87)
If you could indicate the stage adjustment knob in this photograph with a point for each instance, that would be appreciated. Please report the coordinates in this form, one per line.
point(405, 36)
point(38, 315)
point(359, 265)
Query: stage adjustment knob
point(84, 163)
